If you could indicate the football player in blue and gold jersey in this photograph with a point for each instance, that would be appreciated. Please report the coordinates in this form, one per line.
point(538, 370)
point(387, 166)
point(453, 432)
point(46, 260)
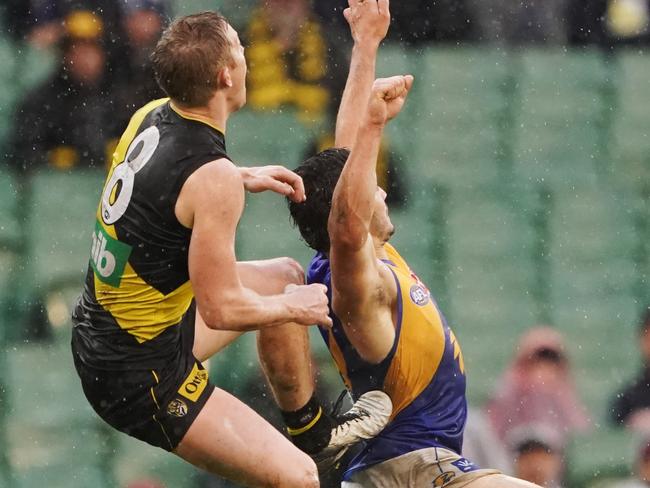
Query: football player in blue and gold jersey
point(388, 332)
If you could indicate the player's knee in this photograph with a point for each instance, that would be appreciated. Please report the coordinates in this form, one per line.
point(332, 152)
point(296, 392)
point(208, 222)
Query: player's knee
point(305, 474)
point(292, 272)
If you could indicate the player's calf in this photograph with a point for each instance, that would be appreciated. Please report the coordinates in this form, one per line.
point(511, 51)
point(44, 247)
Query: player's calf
point(326, 437)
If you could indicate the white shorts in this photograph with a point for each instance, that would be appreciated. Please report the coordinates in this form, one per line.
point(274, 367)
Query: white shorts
point(425, 468)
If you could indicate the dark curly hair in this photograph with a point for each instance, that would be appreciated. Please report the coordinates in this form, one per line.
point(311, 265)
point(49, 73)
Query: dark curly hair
point(320, 173)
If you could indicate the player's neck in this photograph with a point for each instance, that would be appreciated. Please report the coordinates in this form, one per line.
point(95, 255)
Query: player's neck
point(380, 251)
point(215, 114)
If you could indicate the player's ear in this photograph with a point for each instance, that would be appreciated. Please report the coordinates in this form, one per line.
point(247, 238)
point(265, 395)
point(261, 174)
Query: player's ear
point(224, 77)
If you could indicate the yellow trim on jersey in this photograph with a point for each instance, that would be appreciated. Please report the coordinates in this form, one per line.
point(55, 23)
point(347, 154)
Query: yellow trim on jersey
point(337, 355)
point(136, 306)
point(421, 342)
point(301, 430)
point(196, 118)
point(145, 312)
point(131, 130)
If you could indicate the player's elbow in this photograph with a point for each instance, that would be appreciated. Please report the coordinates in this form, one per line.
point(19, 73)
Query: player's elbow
point(223, 314)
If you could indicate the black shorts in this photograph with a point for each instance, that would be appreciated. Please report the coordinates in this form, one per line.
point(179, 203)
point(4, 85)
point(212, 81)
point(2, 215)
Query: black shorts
point(156, 406)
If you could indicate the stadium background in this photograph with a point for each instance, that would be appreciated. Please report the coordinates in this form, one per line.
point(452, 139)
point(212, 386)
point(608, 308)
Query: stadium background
point(528, 178)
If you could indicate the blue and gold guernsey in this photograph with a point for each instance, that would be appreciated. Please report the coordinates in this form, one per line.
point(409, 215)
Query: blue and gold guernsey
point(423, 374)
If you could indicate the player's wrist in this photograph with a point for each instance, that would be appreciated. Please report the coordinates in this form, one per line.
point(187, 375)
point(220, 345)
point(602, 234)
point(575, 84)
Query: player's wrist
point(364, 46)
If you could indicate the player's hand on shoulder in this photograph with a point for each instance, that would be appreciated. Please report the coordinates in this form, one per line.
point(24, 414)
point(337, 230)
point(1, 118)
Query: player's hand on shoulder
point(274, 178)
point(387, 98)
point(369, 20)
point(309, 303)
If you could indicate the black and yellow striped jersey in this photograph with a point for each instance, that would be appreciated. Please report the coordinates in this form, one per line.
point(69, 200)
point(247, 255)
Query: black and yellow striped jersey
point(137, 288)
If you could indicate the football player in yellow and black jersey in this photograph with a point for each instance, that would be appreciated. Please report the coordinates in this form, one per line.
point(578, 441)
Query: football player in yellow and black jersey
point(387, 332)
point(164, 290)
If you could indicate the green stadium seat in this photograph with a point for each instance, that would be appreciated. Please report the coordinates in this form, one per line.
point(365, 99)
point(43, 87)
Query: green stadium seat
point(273, 137)
point(594, 459)
point(53, 443)
point(10, 231)
point(633, 85)
point(631, 133)
point(560, 120)
point(61, 215)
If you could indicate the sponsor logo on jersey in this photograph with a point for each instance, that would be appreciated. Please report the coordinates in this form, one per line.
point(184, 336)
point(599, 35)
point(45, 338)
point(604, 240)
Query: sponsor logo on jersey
point(108, 256)
point(177, 408)
point(194, 384)
point(465, 465)
point(419, 295)
point(443, 479)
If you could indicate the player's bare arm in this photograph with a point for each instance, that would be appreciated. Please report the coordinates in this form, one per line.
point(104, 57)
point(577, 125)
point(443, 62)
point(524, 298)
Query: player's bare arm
point(211, 203)
point(365, 296)
point(369, 21)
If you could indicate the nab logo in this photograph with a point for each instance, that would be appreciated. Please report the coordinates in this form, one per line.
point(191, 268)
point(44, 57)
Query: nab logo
point(419, 295)
point(443, 479)
point(464, 465)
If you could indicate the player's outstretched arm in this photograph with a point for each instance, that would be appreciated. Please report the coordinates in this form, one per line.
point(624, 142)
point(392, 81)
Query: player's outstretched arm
point(369, 21)
point(363, 289)
point(211, 203)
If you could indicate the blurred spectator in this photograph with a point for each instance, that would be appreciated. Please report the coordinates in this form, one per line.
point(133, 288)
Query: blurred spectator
point(415, 21)
point(524, 22)
point(609, 22)
point(539, 456)
point(44, 21)
point(287, 53)
point(631, 405)
point(68, 121)
point(641, 478)
point(481, 444)
point(536, 389)
point(143, 22)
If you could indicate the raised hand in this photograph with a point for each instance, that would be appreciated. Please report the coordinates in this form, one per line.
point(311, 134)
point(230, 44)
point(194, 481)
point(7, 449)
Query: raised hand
point(387, 98)
point(274, 178)
point(310, 304)
point(369, 20)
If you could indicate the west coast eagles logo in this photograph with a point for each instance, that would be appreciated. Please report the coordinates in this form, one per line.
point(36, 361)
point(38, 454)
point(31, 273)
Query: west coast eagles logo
point(419, 295)
point(177, 408)
point(443, 479)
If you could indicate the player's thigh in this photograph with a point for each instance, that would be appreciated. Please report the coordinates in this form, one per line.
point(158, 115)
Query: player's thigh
point(500, 481)
point(270, 276)
point(207, 341)
point(229, 439)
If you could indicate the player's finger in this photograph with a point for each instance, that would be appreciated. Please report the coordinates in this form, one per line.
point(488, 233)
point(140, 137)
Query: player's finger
point(290, 287)
point(408, 79)
point(326, 322)
point(287, 176)
point(353, 3)
point(320, 286)
point(278, 186)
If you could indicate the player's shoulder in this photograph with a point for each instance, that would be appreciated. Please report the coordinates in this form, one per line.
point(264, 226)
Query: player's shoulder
point(216, 174)
point(145, 110)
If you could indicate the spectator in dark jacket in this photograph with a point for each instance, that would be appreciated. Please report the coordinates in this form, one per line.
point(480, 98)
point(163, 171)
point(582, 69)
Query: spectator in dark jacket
point(67, 121)
point(630, 407)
